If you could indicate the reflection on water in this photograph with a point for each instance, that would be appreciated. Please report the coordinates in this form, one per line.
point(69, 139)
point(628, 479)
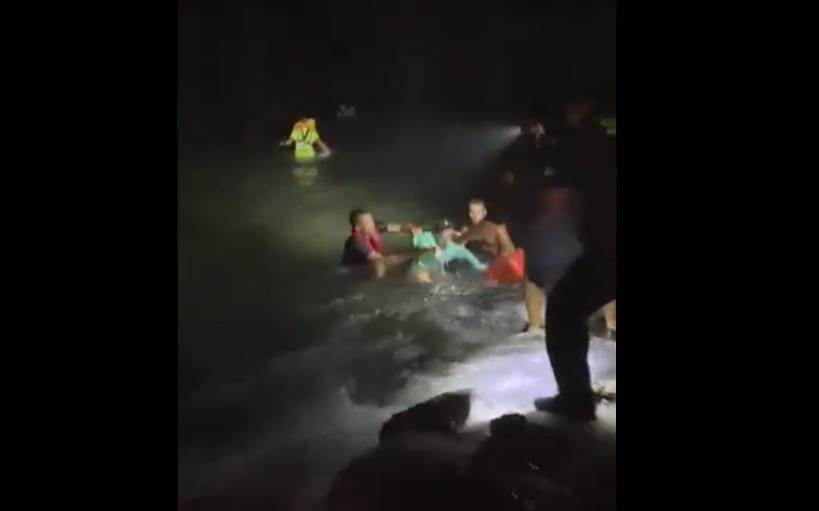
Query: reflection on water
point(305, 175)
point(289, 365)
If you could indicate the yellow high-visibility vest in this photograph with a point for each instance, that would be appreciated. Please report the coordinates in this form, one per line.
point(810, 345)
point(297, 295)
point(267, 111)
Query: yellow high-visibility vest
point(304, 135)
point(610, 124)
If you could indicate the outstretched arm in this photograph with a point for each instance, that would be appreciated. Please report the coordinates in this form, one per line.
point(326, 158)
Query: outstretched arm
point(289, 140)
point(466, 235)
point(395, 227)
point(474, 262)
point(382, 263)
point(325, 149)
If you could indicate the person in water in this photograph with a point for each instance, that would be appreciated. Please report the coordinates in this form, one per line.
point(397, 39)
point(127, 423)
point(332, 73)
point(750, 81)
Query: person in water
point(587, 157)
point(494, 242)
point(364, 247)
point(305, 136)
point(438, 250)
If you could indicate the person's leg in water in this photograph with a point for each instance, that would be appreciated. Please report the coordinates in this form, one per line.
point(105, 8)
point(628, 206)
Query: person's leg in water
point(422, 277)
point(324, 149)
point(381, 266)
point(610, 316)
point(397, 259)
point(589, 284)
point(535, 299)
point(423, 267)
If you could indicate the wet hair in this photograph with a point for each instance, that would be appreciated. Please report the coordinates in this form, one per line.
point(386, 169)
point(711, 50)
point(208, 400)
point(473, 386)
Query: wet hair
point(443, 225)
point(355, 215)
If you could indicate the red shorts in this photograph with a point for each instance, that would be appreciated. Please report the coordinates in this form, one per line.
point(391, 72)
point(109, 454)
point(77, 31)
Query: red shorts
point(507, 269)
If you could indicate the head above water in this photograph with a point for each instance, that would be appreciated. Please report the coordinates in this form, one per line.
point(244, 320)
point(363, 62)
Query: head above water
point(445, 230)
point(362, 220)
point(443, 225)
point(477, 211)
point(307, 122)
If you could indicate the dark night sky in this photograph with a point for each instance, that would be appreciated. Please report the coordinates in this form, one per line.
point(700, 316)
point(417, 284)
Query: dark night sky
point(254, 61)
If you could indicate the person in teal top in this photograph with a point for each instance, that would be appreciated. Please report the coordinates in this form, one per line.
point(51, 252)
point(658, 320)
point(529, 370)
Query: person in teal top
point(437, 251)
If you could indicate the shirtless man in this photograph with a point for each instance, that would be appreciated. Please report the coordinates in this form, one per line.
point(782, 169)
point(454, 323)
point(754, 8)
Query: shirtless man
point(494, 242)
point(491, 237)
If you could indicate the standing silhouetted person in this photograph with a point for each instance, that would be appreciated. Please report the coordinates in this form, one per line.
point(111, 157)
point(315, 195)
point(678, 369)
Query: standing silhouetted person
point(586, 159)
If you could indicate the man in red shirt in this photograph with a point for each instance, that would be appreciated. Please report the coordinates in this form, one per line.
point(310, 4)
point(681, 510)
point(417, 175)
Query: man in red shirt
point(364, 247)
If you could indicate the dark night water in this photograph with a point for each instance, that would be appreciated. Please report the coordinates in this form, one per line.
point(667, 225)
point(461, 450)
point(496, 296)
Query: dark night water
point(288, 366)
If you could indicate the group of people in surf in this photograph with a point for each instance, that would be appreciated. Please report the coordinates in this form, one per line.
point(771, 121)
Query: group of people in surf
point(551, 237)
point(569, 244)
point(435, 249)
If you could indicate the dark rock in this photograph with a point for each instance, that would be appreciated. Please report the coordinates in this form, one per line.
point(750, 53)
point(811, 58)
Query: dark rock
point(518, 448)
point(423, 462)
point(414, 473)
point(444, 414)
point(508, 425)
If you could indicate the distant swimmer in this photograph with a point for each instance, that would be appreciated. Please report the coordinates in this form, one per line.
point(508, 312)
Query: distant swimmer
point(305, 136)
point(494, 242)
point(364, 247)
point(438, 250)
point(346, 113)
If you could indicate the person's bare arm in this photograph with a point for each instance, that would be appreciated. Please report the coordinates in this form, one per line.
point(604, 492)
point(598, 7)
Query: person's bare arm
point(379, 268)
point(505, 241)
point(466, 235)
point(378, 264)
point(325, 149)
point(396, 259)
point(382, 263)
point(395, 227)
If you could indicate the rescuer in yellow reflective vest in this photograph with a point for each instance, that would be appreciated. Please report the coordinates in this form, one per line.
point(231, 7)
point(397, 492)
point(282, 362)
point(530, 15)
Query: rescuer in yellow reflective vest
point(305, 136)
